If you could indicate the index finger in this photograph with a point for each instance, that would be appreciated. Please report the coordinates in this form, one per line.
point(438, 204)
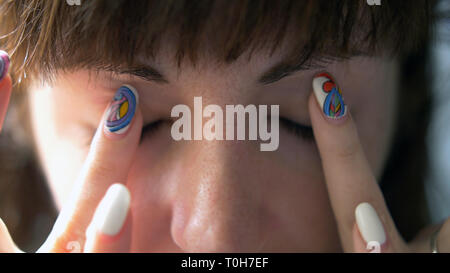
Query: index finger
point(355, 196)
point(108, 162)
point(5, 86)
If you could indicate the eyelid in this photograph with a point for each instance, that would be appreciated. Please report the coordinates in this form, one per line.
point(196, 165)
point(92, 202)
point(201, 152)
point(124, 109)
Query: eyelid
point(149, 128)
point(300, 130)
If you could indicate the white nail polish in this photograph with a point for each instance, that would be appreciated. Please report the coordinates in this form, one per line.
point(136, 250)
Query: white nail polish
point(112, 210)
point(369, 224)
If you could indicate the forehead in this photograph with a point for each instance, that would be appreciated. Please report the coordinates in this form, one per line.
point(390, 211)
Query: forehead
point(206, 59)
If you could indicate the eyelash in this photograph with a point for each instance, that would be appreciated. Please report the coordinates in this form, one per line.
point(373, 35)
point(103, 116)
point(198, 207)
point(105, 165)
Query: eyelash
point(150, 128)
point(301, 131)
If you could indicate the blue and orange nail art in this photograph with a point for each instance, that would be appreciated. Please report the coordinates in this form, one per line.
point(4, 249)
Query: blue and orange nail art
point(4, 64)
point(122, 110)
point(329, 96)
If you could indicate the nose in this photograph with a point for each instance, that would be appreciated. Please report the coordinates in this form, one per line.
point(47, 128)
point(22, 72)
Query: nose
point(218, 206)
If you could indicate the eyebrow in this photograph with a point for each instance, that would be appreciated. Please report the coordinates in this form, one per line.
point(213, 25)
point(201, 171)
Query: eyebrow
point(146, 72)
point(282, 70)
point(274, 74)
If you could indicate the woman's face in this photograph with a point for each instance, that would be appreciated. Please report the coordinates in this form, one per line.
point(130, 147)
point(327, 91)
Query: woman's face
point(217, 195)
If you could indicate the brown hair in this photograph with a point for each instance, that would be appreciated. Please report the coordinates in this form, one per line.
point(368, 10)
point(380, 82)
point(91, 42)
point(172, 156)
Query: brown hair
point(45, 36)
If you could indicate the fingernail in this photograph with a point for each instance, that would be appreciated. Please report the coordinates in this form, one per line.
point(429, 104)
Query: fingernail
point(329, 96)
point(112, 211)
point(4, 64)
point(122, 110)
point(369, 224)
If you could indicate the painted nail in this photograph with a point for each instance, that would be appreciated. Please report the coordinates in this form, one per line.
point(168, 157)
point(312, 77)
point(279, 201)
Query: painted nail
point(112, 211)
point(122, 110)
point(369, 224)
point(4, 64)
point(329, 96)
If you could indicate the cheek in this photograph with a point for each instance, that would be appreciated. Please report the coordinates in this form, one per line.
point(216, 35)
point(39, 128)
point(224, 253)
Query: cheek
point(61, 157)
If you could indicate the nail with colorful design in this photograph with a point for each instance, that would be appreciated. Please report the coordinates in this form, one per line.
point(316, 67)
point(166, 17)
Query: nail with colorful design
point(329, 96)
point(4, 64)
point(122, 110)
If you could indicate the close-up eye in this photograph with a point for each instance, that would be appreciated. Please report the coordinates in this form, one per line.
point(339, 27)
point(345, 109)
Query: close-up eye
point(299, 130)
point(149, 128)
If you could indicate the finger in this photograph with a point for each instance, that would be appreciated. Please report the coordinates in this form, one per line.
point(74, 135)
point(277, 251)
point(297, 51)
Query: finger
point(108, 162)
point(7, 244)
point(443, 238)
point(422, 243)
point(5, 86)
point(355, 197)
point(110, 229)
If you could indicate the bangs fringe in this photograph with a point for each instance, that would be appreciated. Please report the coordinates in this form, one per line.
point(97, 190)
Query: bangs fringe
point(43, 36)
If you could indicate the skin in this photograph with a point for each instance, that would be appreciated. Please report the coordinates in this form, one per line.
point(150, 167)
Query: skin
point(220, 195)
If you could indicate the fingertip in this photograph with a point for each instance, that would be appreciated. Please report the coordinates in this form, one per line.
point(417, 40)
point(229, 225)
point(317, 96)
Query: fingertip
point(313, 106)
point(112, 211)
point(121, 112)
point(6, 242)
point(328, 98)
point(108, 238)
point(370, 233)
point(6, 83)
point(359, 246)
point(4, 64)
point(5, 96)
point(110, 228)
point(98, 242)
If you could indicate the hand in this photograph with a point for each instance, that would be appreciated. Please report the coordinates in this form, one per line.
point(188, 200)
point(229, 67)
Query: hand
point(362, 217)
point(81, 227)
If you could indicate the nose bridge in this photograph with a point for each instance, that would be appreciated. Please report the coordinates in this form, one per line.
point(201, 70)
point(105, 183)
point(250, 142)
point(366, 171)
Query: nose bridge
point(220, 209)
